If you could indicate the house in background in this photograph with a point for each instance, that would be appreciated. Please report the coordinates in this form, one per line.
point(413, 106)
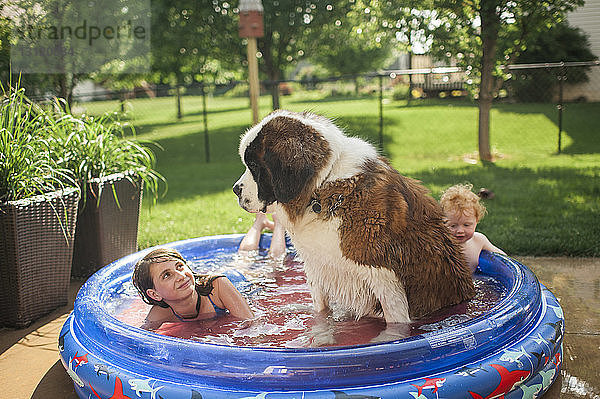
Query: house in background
point(87, 90)
point(587, 18)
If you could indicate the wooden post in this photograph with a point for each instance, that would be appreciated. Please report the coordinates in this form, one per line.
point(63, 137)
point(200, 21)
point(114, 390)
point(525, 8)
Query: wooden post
point(381, 113)
point(253, 78)
point(251, 26)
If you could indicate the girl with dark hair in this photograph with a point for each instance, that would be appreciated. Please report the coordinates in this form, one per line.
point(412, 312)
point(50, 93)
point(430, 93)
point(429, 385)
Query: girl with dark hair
point(165, 281)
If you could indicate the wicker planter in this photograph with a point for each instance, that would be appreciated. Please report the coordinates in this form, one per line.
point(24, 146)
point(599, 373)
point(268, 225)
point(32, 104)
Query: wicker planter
point(36, 249)
point(107, 230)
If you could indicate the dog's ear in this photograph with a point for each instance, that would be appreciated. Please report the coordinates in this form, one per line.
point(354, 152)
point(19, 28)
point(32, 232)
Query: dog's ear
point(293, 152)
point(290, 171)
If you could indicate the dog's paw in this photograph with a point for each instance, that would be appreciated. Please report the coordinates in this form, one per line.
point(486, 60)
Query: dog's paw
point(322, 333)
point(322, 339)
point(393, 332)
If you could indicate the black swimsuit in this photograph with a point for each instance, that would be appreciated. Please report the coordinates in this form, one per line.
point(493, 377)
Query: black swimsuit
point(219, 311)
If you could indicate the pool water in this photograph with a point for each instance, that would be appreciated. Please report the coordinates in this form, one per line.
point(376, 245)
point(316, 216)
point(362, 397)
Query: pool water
point(280, 298)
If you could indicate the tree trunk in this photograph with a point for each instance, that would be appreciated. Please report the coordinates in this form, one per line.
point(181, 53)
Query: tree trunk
point(274, 77)
point(65, 84)
point(489, 33)
point(63, 90)
point(485, 105)
point(271, 68)
point(178, 99)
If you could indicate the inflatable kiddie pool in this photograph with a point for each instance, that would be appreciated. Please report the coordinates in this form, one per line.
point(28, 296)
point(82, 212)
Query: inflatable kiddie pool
point(514, 349)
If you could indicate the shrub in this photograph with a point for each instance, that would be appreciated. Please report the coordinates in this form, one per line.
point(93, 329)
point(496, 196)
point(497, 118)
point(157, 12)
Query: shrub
point(401, 92)
point(559, 43)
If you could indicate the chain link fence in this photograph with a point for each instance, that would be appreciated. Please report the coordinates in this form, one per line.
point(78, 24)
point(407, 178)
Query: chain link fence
point(563, 93)
point(564, 87)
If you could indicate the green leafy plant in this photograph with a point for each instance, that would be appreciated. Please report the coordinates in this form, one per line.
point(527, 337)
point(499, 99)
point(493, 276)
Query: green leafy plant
point(28, 165)
point(96, 147)
point(567, 44)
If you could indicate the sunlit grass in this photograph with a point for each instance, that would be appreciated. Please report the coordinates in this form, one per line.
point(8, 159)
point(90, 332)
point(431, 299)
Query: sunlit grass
point(545, 204)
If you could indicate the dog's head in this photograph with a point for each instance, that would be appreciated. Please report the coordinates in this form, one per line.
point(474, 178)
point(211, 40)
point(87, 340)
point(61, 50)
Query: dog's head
point(283, 155)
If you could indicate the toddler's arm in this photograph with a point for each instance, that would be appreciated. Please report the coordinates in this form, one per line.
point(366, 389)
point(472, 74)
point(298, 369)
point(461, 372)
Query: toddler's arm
point(488, 246)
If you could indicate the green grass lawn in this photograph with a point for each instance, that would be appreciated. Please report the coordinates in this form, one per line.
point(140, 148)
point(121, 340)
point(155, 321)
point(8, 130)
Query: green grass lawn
point(545, 204)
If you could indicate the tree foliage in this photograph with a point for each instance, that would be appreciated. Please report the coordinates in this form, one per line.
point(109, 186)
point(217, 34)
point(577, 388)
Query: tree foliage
point(459, 30)
point(559, 43)
point(19, 16)
point(192, 39)
point(4, 47)
point(289, 31)
point(356, 44)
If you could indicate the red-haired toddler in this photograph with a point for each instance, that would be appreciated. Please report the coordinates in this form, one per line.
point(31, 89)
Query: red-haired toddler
point(463, 211)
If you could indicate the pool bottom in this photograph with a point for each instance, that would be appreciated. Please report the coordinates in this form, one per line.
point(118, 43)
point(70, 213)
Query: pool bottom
point(284, 318)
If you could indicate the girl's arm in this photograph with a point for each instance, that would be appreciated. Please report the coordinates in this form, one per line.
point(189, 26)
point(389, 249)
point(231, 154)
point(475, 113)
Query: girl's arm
point(154, 319)
point(231, 299)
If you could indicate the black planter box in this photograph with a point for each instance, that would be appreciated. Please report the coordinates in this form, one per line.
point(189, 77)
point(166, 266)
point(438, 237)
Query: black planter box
point(107, 228)
point(36, 250)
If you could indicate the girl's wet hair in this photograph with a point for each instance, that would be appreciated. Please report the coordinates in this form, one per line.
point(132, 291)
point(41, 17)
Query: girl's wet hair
point(142, 279)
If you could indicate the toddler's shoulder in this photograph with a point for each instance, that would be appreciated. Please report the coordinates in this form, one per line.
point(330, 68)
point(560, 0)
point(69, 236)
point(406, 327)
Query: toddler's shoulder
point(479, 236)
point(480, 240)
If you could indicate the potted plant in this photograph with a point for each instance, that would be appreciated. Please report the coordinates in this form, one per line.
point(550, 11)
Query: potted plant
point(38, 211)
point(111, 169)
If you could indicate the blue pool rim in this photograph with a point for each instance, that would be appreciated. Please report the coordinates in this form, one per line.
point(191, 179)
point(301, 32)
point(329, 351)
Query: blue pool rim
point(516, 347)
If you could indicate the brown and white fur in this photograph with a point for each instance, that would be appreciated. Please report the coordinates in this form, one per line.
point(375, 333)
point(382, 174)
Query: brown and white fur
point(371, 239)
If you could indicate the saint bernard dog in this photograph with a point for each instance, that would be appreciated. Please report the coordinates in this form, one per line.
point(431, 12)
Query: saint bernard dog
point(373, 241)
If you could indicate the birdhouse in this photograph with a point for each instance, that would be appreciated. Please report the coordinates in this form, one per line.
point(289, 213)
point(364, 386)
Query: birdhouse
point(251, 18)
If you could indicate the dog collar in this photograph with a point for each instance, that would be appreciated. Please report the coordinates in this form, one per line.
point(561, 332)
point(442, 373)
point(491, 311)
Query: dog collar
point(335, 200)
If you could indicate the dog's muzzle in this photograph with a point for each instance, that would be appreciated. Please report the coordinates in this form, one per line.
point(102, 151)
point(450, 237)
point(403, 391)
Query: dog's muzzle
point(247, 192)
point(237, 189)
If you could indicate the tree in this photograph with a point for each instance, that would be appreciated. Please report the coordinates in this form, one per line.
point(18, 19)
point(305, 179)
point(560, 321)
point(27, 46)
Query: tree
point(56, 43)
point(188, 36)
point(484, 34)
point(357, 44)
point(56, 74)
point(289, 26)
point(4, 47)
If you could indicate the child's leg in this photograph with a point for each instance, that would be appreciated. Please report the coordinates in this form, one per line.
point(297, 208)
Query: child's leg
point(277, 248)
point(252, 237)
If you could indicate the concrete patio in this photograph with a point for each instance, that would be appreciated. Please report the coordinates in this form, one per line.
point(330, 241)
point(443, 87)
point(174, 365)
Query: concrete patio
point(30, 367)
